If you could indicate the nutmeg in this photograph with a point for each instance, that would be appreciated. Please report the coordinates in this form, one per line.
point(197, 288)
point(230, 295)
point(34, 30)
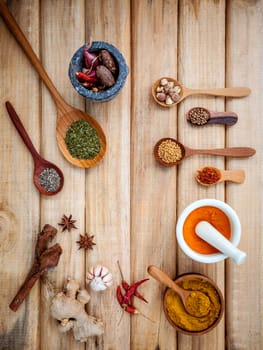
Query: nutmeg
point(107, 60)
point(105, 76)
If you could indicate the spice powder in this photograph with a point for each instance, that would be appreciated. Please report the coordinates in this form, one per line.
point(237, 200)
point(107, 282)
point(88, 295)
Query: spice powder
point(215, 217)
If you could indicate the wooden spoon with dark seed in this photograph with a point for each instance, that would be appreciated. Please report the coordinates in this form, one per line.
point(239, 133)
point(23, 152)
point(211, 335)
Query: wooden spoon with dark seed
point(40, 163)
point(199, 116)
point(66, 114)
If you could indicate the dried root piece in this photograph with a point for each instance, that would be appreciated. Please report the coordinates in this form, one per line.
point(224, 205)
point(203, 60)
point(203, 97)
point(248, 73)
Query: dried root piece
point(45, 258)
point(68, 308)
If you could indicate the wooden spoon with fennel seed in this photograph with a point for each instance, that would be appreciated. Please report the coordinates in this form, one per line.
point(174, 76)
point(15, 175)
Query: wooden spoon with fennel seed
point(66, 114)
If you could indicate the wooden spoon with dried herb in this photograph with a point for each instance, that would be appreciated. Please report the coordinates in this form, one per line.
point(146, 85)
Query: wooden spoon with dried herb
point(94, 139)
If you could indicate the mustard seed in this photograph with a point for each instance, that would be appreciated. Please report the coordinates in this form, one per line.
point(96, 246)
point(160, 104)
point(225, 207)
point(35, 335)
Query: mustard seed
point(170, 151)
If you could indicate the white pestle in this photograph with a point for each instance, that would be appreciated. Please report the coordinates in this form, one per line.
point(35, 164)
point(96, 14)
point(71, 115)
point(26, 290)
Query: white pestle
point(211, 235)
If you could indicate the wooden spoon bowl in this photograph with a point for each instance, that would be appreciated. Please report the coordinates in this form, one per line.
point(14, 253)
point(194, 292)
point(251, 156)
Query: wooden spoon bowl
point(239, 152)
point(185, 92)
point(235, 175)
point(66, 115)
point(158, 83)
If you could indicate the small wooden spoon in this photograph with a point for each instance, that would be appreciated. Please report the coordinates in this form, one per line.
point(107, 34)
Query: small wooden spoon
point(66, 114)
point(199, 116)
point(185, 91)
point(238, 152)
point(39, 163)
point(236, 175)
point(163, 278)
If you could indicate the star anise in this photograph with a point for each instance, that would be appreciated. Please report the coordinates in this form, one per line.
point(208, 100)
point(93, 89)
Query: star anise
point(86, 242)
point(67, 223)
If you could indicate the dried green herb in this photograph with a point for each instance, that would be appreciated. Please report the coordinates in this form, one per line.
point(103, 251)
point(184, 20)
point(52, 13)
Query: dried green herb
point(82, 140)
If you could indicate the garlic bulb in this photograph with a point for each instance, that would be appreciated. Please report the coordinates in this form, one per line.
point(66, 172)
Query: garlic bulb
point(99, 278)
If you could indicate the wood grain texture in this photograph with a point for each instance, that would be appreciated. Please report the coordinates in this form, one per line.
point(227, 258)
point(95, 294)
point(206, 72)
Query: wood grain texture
point(19, 200)
point(153, 188)
point(58, 37)
point(244, 19)
point(129, 202)
point(201, 65)
point(108, 184)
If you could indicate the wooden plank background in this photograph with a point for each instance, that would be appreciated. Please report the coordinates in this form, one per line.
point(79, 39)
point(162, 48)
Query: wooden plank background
point(129, 202)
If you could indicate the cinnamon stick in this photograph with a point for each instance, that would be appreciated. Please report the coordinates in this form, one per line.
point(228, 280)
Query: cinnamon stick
point(45, 258)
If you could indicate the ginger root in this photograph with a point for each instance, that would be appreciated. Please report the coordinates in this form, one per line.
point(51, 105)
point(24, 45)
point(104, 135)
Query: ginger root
point(68, 308)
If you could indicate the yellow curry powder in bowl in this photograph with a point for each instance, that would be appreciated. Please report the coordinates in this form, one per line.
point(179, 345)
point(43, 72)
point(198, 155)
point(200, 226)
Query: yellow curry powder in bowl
point(178, 316)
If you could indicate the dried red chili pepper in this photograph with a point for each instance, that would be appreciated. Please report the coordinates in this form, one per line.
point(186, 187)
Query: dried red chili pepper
point(126, 286)
point(132, 290)
point(85, 77)
point(128, 308)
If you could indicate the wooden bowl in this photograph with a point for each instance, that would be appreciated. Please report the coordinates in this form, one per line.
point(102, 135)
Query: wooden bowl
point(220, 296)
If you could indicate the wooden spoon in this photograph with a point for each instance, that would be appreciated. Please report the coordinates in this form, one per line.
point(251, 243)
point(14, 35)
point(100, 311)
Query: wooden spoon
point(66, 114)
point(185, 91)
point(211, 235)
point(239, 152)
point(236, 175)
point(39, 163)
point(199, 116)
point(163, 278)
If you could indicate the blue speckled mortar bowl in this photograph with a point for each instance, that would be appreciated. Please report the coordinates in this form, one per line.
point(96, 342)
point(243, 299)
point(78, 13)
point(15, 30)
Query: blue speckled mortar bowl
point(77, 63)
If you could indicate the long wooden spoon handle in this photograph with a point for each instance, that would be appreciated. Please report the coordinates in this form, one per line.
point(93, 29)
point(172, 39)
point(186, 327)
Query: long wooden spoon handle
point(161, 276)
point(25, 45)
point(230, 92)
point(22, 131)
point(239, 152)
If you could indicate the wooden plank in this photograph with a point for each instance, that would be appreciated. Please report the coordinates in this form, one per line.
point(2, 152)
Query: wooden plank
point(61, 35)
point(108, 185)
point(19, 199)
point(201, 65)
point(244, 312)
point(153, 188)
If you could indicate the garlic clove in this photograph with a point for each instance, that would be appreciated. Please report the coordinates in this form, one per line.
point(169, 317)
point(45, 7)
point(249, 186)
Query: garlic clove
point(169, 101)
point(107, 279)
point(97, 270)
point(99, 278)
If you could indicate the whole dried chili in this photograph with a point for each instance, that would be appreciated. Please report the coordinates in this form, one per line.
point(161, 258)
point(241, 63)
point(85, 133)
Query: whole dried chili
point(85, 77)
point(126, 286)
point(130, 291)
point(128, 308)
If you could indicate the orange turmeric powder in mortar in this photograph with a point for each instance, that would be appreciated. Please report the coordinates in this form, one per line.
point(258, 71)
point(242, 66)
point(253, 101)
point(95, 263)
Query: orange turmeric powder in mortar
point(215, 217)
